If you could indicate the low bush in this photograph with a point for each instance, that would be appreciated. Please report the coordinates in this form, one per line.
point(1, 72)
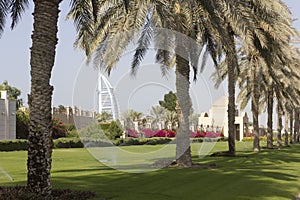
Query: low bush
point(96, 143)
point(75, 142)
point(72, 134)
point(70, 127)
point(22, 124)
point(13, 145)
point(67, 143)
point(208, 139)
point(261, 138)
point(58, 129)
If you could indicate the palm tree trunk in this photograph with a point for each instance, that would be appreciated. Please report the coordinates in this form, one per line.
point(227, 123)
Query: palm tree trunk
point(254, 107)
point(286, 128)
point(279, 125)
point(291, 126)
point(232, 65)
point(44, 40)
point(183, 150)
point(296, 126)
point(270, 118)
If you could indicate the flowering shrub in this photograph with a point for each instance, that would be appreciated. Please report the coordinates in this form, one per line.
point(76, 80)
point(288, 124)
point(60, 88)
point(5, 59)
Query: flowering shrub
point(58, 129)
point(148, 133)
point(165, 133)
point(205, 134)
point(132, 133)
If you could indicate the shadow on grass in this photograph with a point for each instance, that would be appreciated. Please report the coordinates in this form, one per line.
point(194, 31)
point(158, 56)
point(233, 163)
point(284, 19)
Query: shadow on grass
point(185, 184)
point(271, 174)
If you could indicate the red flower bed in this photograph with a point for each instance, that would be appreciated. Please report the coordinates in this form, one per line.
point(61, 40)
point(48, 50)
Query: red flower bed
point(205, 134)
point(165, 133)
point(148, 133)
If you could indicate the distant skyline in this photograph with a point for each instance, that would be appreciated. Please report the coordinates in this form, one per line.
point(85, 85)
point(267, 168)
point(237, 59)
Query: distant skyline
point(15, 58)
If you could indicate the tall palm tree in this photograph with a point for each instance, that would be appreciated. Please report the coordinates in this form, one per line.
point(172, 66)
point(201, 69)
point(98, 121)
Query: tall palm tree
point(44, 41)
point(42, 56)
point(116, 23)
point(262, 48)
point(214, 24)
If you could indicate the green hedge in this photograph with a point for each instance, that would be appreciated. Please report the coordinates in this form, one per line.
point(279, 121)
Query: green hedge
point(75, 142)
point(261, 138)
point(13, 145)
point(199, 140)
point(67, 143)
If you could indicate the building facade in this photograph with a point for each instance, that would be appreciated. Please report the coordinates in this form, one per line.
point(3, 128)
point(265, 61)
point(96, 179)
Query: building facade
point(217, 119)
point(7, 117)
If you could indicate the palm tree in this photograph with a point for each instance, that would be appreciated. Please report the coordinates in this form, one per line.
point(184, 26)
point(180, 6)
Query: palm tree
point(171, 118)
point(214, 24)
point(264, 53)
point(42, 56)
point(158, 114)
point(104, 116)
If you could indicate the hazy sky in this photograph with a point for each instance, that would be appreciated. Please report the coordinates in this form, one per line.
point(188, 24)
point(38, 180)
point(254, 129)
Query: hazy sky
point(14, 55)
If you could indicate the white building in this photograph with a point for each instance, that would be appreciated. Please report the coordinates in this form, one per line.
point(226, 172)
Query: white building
point(7, 117)
point(106, 98)
point(217, 119)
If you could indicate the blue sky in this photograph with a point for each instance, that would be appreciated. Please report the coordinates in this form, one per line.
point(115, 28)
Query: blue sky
point(15, 68)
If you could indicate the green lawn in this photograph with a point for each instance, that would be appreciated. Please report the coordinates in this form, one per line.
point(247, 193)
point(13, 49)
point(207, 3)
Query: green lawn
point(271, 174)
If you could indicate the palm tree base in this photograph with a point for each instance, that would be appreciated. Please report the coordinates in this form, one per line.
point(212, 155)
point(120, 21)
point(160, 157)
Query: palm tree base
point(199, 166)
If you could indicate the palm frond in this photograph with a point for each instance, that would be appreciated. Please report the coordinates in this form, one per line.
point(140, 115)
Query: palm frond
point(4, 9)
point(17, 7)
point(143, 45)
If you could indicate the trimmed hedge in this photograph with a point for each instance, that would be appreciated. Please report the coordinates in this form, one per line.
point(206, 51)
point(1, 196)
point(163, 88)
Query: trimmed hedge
point(261, 138)
point(13, 145)
point(22, 145)
point(67, 143)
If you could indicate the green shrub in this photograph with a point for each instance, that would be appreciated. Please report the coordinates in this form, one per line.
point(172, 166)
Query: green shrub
point(112, 130)
point(67, 143)
point(13, 145)
point(261, 138)
point(22, 124)
point(102, 131)
point(96, 143)
point(70, 127)
point(72, 134)
point(58, 129)
point(199, 140)
point(92, 132)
